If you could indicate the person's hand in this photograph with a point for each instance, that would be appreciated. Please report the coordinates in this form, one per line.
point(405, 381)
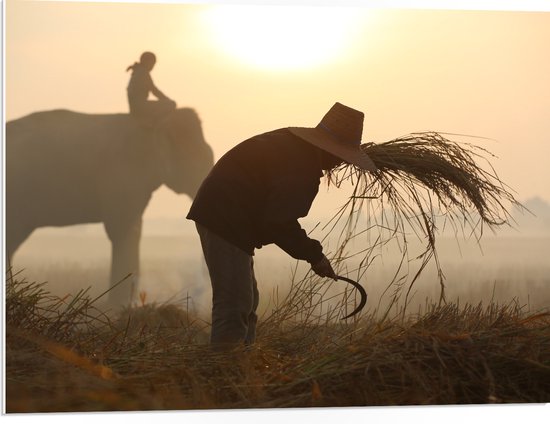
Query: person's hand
point(324, 269)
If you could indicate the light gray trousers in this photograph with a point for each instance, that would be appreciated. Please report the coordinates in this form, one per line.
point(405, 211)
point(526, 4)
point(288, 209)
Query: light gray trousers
point(234, 290)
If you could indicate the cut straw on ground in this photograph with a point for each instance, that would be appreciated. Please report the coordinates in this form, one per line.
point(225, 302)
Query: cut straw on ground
point(157, 357)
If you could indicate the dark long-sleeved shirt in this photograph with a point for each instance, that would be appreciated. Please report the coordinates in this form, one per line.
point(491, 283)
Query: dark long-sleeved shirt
point(256, 192)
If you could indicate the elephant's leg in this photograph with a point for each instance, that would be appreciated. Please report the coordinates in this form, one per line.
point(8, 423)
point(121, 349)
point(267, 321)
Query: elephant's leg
point(125, 238)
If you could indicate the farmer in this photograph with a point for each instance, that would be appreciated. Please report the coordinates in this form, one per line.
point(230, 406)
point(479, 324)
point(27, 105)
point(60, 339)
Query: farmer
point(148, 112)
point(254, 196)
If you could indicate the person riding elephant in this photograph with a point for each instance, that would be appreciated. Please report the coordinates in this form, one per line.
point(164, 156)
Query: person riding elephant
point(148, 112)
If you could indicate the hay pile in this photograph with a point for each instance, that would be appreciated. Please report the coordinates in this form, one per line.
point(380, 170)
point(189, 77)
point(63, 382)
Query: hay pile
point(448, 169)
point(425, 184)
point(449, 355)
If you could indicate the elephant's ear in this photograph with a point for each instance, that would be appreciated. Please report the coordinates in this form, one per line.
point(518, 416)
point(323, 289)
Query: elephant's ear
point(172, 126)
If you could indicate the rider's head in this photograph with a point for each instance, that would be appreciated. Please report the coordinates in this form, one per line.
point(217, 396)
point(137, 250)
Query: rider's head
point(148, 60)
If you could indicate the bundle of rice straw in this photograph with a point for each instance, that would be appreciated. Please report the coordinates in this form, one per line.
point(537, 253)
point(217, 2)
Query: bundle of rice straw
point(447, 169)
point(422, 176)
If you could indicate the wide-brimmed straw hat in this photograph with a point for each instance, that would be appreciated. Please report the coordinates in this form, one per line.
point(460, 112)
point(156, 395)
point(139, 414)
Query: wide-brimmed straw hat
point(339, 133)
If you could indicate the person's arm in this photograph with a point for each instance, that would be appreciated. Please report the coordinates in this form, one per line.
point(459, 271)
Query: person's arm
point(158, 94)
point(153, 89)
point(290, 197)
point(290, 237)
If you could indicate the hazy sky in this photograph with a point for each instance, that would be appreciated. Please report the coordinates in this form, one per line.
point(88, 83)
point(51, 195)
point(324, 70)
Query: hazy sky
point(484, 73)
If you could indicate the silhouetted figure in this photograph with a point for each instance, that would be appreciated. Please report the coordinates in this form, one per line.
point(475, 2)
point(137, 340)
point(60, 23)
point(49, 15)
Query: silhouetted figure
point(148, 112)
point(254, 196)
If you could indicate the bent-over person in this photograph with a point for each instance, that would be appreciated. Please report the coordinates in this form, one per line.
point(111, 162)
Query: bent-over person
point(254, 196)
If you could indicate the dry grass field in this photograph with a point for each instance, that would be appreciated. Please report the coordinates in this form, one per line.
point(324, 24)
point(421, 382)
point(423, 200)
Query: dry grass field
point(65, 354)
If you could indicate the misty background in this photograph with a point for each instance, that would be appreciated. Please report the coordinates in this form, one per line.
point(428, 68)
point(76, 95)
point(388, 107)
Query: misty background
point(482, 73)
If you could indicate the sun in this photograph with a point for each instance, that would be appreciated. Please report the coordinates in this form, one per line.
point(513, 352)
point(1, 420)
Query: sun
point(282, 37)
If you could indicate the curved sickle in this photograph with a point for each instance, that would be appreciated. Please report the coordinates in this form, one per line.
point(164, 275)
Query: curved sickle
point(361, 290)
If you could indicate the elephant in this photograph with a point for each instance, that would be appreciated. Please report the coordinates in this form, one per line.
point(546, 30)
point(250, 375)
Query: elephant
point(65, 167)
